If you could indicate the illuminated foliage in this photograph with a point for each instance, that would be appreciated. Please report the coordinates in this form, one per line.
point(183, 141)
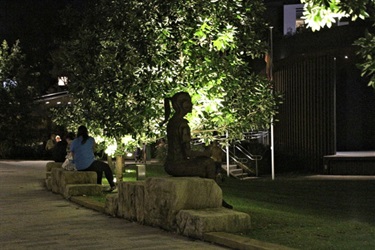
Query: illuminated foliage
point(126, 56)
point(367, 53)
point(321, 13)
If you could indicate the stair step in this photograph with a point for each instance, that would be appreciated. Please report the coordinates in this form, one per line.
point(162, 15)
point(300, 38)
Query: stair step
point(231, 166)
point(241, 175)
point(249, 178)
point(236, 171)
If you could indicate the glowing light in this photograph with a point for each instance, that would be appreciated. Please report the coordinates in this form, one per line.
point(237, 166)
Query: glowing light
point(62, 81)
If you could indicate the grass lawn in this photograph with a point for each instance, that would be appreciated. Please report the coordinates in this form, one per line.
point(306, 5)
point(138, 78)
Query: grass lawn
point(300, 212)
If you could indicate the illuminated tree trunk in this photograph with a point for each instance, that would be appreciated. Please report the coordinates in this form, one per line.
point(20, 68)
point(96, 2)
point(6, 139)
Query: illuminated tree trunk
point(118, 170)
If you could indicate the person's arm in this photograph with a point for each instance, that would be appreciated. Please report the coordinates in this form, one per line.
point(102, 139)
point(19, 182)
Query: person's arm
point(93, 145)
point(72, 148)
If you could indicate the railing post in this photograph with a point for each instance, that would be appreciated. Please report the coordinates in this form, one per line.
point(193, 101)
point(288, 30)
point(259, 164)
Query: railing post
point(227, 149)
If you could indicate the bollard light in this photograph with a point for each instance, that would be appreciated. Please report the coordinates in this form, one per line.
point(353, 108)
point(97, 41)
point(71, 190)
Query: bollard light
point(141, 172)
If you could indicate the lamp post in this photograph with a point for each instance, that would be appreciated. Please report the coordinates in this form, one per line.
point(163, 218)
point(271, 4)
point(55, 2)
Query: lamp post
point(272, 133)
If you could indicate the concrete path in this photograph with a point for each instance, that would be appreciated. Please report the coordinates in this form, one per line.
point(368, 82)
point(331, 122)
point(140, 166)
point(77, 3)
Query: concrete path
point(33, 218)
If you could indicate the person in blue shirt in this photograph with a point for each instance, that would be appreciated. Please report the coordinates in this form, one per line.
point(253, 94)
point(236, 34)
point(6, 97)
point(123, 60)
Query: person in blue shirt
point(82, 149)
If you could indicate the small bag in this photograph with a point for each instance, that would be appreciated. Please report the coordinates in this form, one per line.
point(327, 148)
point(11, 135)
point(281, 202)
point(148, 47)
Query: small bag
point(68, 165)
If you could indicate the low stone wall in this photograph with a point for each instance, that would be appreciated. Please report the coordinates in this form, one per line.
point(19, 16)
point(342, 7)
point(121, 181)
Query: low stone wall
point(131, 197)
point(165, 197)
point(51, 165)
point(72, 183)
point(188, 205)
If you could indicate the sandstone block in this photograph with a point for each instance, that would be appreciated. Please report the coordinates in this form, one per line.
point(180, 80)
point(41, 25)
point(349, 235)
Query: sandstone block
point(195, 223)
point(56, 179)
point(82, 189)
point(78, 177)
point(111, 205)
point(60, 178)
point(131, 200)
point(165, 197)
point(49, 183)
point(52, 164)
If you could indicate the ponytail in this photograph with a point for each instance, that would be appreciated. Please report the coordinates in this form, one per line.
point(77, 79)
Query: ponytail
point(167, 110)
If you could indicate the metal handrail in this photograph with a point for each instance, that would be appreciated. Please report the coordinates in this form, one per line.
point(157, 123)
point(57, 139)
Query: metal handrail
point(250, 156)
point(238, 162)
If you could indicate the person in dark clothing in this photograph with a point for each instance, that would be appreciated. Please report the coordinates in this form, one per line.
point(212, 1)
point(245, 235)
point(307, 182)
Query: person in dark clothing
point(61, 148)
point(59, 151)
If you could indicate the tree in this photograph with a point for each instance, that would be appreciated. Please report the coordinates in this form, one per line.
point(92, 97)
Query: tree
point(17, 124)
point(126, 56)
point(101, 61)
point(321, 13)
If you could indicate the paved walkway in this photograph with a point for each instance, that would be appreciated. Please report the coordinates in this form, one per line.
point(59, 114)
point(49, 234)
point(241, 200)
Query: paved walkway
point(33, 218)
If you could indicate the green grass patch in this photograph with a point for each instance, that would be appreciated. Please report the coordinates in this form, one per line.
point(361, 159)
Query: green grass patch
point(299, 212)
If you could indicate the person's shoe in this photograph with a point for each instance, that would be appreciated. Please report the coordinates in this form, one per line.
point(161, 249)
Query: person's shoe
point(111, 189)
point(226, 205)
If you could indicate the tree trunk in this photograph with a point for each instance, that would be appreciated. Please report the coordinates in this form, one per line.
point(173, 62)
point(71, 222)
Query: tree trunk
point(119, 165)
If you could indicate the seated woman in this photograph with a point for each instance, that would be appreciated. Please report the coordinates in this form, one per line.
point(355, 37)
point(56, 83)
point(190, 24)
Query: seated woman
point(181, 160)
point(82, 149)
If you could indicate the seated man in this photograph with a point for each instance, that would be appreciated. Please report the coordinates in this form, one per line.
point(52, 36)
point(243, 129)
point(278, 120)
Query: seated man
point(59, 151)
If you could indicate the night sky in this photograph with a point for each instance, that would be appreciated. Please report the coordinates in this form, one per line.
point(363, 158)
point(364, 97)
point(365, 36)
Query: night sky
point(36, 24)
point(32, 22)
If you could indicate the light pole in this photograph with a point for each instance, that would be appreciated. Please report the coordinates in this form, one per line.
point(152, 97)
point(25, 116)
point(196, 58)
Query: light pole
point(272, 135)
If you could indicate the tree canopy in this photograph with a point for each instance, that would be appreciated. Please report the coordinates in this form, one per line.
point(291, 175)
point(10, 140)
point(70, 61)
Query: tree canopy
point(124, 57)
point(321, 13)
point(17, 124)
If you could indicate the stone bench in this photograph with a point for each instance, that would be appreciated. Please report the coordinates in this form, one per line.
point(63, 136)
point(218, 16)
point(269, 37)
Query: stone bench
point(131, 197)
point(74, 183)
point(52, 164)
point(188, 205)
point(49, 167)
point(196, 223)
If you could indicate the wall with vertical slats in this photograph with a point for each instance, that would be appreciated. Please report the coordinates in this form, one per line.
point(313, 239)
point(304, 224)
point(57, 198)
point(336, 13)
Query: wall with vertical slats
point(305, 131)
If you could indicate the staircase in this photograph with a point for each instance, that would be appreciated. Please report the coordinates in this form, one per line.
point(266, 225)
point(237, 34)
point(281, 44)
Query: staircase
point(238, 172)
point(240, 167)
